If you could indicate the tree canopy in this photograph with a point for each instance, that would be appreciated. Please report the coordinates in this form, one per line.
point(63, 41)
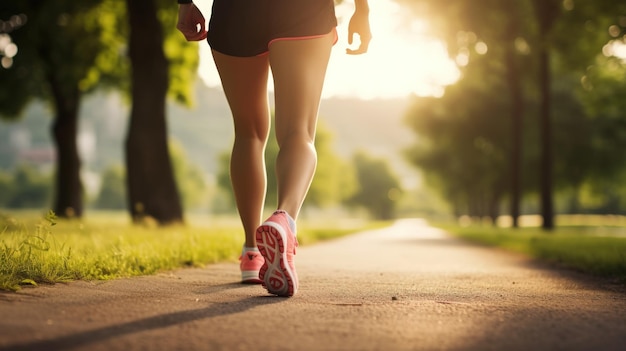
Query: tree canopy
point(467, 139)
point(66, 49)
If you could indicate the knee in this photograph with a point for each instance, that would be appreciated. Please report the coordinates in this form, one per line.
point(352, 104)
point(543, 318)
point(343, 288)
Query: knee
point(295, 138)
point(252, 131)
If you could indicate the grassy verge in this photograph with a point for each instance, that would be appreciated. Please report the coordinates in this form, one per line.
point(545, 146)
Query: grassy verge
point(36, 250)
point(593, 250)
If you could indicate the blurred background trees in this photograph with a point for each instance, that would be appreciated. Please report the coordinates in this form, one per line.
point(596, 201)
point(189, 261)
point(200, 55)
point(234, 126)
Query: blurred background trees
point(68, 49)
point(535, 124)
point(362, 183)
point(519, 121)
point(65, 48)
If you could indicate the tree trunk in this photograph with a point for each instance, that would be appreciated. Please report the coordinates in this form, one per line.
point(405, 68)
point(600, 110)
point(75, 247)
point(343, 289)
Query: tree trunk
point(546, 11)
point(546, 140)
point(494, 209)
point(517, 113)
point(152, 189)
point(69, 190)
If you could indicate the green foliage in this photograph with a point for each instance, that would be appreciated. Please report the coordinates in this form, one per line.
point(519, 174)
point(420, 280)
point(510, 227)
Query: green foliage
point(578, 248)
point(333, 183)
point(59, 47)
point(104, 249)
point(379, 189)
point(463, 146)
point(83, 43)
point(24, 187)
point(190, 179)
point(465, 138)
point(225, 199)
point(35, 251)
point(112, 193)
point(335, 179)
point(182, 55)
point(6, 188)
point(583, 30)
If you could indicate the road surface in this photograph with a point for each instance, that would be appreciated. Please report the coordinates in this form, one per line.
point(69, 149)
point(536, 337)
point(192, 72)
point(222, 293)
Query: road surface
point(406, 287)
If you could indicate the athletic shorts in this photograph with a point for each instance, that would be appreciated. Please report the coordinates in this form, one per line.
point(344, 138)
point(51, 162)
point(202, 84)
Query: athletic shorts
point(247, 27)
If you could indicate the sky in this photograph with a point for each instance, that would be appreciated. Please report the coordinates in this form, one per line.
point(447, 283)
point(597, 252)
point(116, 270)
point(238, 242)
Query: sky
point(402, 59)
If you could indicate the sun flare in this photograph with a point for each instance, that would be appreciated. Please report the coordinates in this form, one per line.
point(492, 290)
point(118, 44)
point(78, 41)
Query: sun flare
point(402, 59)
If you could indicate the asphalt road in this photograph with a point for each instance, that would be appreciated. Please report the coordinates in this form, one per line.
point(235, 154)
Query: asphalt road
point(406, 287)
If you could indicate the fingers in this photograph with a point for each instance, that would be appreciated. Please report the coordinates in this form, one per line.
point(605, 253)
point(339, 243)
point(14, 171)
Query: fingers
point(363, 47)
point(196, 36)
point(361, 50)
point(358, 51)
point(191, 23)
point(192, 32)
point(195, 33)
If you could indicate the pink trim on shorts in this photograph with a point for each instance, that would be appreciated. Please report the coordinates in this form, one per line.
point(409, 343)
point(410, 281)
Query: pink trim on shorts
point(334, 30)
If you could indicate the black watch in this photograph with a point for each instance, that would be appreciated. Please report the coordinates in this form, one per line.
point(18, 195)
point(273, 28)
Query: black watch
point(185, 1)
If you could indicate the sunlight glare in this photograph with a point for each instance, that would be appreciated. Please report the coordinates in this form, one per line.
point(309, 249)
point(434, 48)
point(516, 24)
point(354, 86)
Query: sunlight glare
point(615, 48)
point(402, 59)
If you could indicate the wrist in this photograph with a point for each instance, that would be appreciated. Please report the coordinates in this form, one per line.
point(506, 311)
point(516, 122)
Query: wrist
point(361, 6)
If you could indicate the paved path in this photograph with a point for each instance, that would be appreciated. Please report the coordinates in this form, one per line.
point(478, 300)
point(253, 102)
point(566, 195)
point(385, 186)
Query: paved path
point(407, 287)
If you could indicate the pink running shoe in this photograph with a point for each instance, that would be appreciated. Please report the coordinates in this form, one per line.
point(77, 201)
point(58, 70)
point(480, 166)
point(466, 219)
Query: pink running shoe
point(250, 263)
point(278, 244)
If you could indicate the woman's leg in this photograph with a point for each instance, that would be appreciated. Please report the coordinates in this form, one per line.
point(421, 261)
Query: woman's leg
point(298, 69)
point(244, 80)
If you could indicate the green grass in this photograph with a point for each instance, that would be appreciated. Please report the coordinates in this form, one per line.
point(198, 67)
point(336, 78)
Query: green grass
point(599, 251)
point(37, 249)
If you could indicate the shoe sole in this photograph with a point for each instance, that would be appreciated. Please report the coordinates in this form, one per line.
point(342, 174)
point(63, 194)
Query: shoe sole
point(275, 273)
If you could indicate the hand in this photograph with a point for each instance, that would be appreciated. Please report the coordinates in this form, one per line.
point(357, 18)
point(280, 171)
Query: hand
point(359, 24)
point(191, 22)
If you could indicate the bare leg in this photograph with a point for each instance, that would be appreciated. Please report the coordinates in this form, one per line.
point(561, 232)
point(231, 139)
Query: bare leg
point(245, 84)
point(299, 69)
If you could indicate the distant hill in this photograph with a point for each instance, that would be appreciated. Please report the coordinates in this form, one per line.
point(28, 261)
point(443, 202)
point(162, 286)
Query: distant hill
point(374, 126)
point(205, 130)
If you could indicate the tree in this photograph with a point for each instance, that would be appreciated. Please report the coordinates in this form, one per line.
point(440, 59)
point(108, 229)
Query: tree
point(152, 190)
point(60, 45)
point(512, 54)
point(493, 29)
point(462, 147)
point(69, 48)
point(604, 128)
point(577, 37)
point(546, 12)
point(554, 40)
point(379, 189)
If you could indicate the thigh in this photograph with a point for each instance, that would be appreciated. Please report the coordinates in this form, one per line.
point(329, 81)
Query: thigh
point(244, 80)
point(299, 68)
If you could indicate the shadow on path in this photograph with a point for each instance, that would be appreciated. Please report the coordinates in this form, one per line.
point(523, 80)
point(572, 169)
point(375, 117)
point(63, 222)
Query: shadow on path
point(79, 339)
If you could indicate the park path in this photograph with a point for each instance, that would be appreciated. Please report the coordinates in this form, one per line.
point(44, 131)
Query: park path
point(406, 287)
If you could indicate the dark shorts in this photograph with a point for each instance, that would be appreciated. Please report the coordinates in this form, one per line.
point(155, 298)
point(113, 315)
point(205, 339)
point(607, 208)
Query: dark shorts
point(246, 27)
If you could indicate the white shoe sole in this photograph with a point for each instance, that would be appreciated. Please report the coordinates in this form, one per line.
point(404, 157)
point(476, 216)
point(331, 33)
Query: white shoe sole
point(276, 274)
